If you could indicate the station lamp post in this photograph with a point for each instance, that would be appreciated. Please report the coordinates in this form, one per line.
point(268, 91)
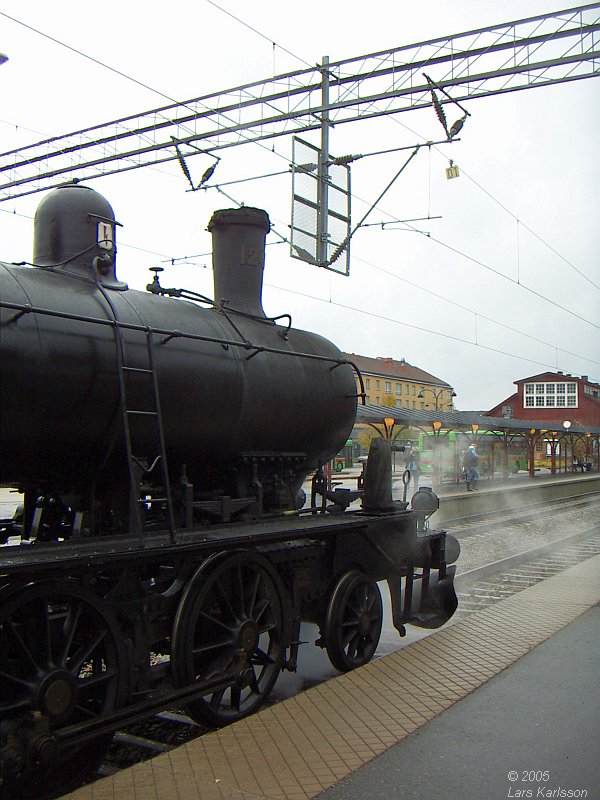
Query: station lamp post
point(589, 449)
point(437, 467)
point(436, 395)
point(566, 426)
point(531, 448)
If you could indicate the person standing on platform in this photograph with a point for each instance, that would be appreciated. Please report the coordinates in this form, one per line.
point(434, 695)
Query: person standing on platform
point(413, 465)
point(471, 464)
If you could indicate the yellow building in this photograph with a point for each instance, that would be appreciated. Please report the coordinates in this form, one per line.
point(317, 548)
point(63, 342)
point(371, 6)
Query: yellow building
point(398, 384)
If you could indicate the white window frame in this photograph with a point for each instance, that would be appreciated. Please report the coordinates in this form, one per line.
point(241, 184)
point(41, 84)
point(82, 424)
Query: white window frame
point(553, 394)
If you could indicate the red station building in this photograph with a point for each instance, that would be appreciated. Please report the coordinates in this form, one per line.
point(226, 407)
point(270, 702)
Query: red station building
point(553, 397)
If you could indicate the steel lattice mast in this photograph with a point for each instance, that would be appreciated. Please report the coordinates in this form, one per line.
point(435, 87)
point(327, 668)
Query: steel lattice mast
point(538, 51)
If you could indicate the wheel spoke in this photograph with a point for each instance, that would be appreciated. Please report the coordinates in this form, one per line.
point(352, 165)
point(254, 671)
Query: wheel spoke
point(258, 614)
point(48, 631)
point(205, 648)
point(241, 588)
point(353, 645)
point(214, 620)
point(236, 697)
point(348, 636)
point(22, 645)
point(356, 610)
point(224, 600)
point(253, 594)
point(260, 658)
point(371, 602)
point(353, 621)
point(85, 684)
point(69, 628)
point(51, 627)
point(17, 704)
point(85, 653)
point(6, 676)
point(254, 684)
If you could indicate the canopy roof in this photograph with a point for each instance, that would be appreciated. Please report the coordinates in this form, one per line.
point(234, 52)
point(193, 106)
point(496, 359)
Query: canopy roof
point(463, 420)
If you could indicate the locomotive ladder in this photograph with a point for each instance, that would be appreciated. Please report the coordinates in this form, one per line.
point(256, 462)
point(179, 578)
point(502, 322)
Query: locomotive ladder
point(136, 465)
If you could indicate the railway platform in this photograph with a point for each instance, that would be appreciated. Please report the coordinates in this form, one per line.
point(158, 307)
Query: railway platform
point(493, 495)
point(501, 704)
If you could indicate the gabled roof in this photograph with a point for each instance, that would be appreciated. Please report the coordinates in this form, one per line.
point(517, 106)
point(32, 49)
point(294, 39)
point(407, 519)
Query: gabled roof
point(559, 377)
point(391, 368)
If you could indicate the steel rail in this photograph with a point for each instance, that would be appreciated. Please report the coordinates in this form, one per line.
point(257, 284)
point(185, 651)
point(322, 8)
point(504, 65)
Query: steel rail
point(465, 579)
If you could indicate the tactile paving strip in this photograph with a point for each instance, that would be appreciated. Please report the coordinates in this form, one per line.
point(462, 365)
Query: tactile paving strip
point(304, 745)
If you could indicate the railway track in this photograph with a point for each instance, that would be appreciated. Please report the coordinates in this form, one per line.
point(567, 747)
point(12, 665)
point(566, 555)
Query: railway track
point(479, 586)
point(490, 583)
point(483, 523)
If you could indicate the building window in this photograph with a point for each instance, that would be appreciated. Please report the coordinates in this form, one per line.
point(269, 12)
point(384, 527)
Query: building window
point(550, 395)
point(414, 391)
point(368, 383)
point(378, 400)
point(388, 387)
point(398, 389)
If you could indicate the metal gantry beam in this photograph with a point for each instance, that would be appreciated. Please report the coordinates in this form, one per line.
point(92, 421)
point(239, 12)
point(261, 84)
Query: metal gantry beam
point(538, 51)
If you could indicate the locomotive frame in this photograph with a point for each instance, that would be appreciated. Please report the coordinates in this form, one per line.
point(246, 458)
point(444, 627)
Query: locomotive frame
point(153, 590)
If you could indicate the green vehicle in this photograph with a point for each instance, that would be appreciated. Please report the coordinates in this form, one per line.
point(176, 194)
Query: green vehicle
point(344, 458)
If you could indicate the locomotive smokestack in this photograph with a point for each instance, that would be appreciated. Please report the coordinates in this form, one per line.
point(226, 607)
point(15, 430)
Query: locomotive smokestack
point(239, 257)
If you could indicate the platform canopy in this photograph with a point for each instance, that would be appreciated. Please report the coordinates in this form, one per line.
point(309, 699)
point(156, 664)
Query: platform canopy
point(466, 421)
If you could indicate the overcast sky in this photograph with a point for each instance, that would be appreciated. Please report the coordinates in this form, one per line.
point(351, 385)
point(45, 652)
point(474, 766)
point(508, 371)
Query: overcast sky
point(505, 286)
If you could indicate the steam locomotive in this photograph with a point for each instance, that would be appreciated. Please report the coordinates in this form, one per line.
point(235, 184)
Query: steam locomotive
point(165, 554)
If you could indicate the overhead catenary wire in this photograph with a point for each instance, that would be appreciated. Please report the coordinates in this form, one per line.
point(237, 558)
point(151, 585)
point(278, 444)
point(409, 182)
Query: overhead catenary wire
point(118, 72)
point(421, 328)
point(306, 63)
point(283, 238)
point(530, 230)
point(188, 260)
point(465, 112)
point(498, 273)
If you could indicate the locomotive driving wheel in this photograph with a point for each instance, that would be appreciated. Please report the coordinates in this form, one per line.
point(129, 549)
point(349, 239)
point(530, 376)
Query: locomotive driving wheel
point(353, 621)
point(229, 623)
point(60, 662)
